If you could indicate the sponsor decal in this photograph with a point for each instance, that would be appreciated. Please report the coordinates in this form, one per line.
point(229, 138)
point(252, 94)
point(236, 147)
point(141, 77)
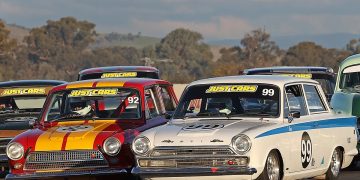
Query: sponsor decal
point(306, 150)
point(167, 141)
point(93, 92)
point(231, 88)
point(305, 76)
point(203, 126)
point(23, 91)
point(78, 128)
point(119, 75)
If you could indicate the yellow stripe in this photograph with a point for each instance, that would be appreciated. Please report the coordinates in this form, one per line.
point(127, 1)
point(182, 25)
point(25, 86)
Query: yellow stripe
point(80, 85)
point(45, 143)
point(85, 140)
point(110, 84)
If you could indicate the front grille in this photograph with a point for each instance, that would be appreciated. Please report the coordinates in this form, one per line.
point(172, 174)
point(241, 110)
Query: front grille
point(186, 157)
point(3, 144)
point(191, 151)
point(64, 160)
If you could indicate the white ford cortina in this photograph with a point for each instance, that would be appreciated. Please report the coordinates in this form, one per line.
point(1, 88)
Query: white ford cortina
point(249, 127)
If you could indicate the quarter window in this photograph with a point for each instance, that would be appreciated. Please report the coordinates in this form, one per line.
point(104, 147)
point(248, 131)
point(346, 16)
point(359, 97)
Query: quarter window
point(314, 100)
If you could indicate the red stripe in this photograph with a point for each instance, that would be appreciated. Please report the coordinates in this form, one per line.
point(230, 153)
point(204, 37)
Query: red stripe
point(64, 141)
point(94, 84)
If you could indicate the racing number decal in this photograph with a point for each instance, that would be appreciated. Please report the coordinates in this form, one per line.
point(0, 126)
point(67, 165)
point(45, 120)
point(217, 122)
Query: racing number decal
point(306, 150)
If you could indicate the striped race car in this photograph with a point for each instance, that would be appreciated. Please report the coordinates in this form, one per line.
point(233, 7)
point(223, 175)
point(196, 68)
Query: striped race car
point(119, 72)
point(249, 127)
point(86, 128)
point(20, 104)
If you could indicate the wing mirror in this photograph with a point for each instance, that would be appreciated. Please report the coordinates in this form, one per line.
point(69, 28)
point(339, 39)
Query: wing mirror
point(168, 115)
point(292, 115)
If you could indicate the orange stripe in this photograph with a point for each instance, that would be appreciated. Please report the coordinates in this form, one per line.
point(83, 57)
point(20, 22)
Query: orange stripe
point(110, 84)
point(85, 139)
point(80, 85)
point(50, 140)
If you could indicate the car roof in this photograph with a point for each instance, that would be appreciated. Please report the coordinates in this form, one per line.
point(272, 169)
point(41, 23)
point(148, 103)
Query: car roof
point(111, 82)
point(291, 69)
point(26, 83)
point(256, 79)
point(351, 60)
point(119, 68)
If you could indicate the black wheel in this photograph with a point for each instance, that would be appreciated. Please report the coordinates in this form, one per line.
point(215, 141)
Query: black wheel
point(335, 165)
point(273, 168)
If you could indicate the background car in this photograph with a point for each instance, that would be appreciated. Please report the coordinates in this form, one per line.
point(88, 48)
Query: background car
point(290, 136)
point(86, 128)
point(20, 104)
point(346, 98)
point(119, 72)
point(324, 75)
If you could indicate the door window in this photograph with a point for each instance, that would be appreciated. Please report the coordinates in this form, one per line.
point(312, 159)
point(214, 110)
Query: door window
point(296, 99)
point(152, 109)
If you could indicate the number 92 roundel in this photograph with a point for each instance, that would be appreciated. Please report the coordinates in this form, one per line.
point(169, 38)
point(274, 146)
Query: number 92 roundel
point(306, 150)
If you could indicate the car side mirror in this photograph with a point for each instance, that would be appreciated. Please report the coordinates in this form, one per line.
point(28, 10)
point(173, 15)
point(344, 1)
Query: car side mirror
point(168, 115)
point(292, 115)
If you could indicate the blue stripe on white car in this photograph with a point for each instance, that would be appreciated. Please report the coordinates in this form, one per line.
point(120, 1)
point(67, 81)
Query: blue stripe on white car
point(331, 123)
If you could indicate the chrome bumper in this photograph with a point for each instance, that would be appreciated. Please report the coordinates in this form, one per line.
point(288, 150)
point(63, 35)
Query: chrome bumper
point(47, 175)
point(195, 171)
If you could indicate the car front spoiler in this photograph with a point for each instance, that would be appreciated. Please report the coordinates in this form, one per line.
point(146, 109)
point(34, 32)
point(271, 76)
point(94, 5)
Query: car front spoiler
point(46, 175)
point(194, 171)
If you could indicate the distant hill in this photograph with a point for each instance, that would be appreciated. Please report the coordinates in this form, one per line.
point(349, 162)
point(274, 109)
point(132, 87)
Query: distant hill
point(336, 40)
point(117, 39)
point(17, 32)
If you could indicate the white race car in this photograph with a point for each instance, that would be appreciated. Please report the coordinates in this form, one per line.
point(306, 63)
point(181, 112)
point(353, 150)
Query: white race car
point(249, 127)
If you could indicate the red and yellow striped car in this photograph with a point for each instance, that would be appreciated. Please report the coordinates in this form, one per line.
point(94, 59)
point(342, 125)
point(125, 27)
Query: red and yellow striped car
point(86, 128)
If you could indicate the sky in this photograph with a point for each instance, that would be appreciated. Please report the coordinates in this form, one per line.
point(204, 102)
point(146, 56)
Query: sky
point(214, 19)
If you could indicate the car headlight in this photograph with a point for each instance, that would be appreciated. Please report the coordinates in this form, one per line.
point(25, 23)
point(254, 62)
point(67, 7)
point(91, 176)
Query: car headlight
point(112, 146)
point(241, 144)
point(141, 145)
point(15, 151)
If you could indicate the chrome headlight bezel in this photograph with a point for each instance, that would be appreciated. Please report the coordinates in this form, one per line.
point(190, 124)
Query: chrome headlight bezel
point(20, 149)
point(107, 143)
point(241, 138)
point(146, 145)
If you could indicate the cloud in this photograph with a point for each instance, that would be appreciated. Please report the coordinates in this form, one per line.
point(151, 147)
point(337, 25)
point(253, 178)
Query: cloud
point(219, 27)
point(9, 8)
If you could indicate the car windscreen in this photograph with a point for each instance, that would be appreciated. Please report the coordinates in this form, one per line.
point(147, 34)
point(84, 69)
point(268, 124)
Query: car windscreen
point(24, 99)
point(23, 103)
point(152, 75)
point(99, 103)
point(350, 78)
point(326, 80)
point(248, 100)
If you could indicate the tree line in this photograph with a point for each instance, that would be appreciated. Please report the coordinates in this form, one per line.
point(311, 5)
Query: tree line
point(60, 49)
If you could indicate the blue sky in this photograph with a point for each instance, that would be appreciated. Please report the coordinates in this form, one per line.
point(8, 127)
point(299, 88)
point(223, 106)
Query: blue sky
point(215, 19)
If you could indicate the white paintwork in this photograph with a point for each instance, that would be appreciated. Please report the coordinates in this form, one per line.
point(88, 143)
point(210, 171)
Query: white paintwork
point(352, 69)
point(324, 140)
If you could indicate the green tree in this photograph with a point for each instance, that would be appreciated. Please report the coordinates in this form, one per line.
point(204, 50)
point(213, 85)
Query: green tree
point(258, 50)
point(191, 57)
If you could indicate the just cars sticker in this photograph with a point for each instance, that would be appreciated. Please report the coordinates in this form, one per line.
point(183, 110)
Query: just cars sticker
point(78, 128)
point(119, 75)
point(93, 92)
point(305, 76)
point(231, 88)
point(306, 150)
point(23, 91)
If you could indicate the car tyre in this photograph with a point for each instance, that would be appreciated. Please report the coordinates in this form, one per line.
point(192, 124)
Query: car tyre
point(273, 167)
point(335, 165)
